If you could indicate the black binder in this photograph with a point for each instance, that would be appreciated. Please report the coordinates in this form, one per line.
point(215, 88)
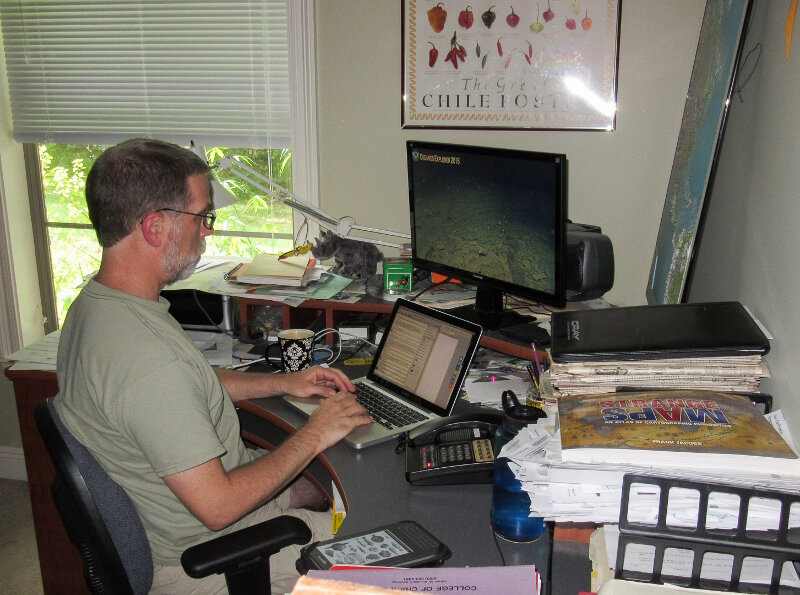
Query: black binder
point(713, 329)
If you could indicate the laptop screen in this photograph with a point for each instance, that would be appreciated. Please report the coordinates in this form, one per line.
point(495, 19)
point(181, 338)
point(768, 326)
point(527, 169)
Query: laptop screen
point(425, 355)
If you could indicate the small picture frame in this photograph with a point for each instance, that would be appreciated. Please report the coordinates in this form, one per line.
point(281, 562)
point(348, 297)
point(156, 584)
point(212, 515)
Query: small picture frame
point(550, 64)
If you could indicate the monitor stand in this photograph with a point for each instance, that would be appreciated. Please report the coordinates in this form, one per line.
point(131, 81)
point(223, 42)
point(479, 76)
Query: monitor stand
point(488, 311)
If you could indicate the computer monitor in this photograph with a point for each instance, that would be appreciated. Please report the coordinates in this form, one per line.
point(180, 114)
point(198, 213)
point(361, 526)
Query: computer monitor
point(492, 217)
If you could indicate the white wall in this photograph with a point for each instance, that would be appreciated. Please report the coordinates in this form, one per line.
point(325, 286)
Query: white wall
point(748, 250)
point(617, 180)
point(15, 194)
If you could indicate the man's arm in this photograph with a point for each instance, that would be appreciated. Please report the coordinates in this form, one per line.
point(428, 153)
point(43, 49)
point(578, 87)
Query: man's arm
point(319, 381)
point(218, 498)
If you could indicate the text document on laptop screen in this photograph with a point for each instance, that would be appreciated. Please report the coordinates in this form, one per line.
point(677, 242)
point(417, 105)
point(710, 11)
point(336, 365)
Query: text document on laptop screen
point(423, 355)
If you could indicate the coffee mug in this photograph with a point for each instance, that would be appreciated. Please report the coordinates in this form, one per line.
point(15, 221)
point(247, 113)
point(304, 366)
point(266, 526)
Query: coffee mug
point(297, 349)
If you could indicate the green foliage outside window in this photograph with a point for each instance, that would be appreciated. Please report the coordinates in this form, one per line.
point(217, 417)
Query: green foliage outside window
point(75, 253)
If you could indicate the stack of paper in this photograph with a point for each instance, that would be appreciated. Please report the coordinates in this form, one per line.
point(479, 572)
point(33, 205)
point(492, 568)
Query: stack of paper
point(714, 439)
point(735, 373)
point(714, 346)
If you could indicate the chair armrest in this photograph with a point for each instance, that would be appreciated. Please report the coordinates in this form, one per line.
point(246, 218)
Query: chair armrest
point(231, 550)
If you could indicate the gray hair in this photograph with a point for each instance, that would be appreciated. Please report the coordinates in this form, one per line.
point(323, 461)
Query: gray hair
point(134, 178)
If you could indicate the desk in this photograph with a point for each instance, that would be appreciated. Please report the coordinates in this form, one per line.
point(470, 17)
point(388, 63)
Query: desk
point(372, 481)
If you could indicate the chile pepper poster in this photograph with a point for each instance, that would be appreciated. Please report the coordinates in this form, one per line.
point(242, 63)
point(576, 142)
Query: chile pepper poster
point(548, 64)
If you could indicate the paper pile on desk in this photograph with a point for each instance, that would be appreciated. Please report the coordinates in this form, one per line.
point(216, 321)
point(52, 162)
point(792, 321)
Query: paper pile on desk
point(589, 490)
point(328, 285)
point(736, 373)
point(574, 492)
point(714, 346)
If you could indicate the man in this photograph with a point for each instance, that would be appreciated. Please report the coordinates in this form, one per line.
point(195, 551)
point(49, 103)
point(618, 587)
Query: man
point(136, 391)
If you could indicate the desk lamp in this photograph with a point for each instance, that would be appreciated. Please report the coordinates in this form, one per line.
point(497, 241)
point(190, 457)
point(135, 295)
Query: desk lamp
point(341, 226)
point(222, 196)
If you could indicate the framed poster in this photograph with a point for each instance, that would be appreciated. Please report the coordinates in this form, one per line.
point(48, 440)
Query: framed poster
point(699, 140)
point(550, 64)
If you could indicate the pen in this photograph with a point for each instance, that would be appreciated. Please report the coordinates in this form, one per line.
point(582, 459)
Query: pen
point(536, 358)
point(233, 270)
point(532, 374)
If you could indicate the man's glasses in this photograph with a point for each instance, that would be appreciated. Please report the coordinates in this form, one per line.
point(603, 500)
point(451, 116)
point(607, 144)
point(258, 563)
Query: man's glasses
point(208, 218)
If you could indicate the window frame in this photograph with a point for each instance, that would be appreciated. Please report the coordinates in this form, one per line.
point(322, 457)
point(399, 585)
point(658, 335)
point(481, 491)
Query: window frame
point(10, 323)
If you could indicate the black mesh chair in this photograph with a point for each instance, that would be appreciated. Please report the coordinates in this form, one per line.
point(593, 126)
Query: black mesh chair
point(102, 522)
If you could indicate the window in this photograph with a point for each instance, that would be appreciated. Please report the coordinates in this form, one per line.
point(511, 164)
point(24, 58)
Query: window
point(256, 223)
point(86, 74)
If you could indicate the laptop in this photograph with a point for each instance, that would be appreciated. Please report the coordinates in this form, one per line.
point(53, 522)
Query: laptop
point(420, 366)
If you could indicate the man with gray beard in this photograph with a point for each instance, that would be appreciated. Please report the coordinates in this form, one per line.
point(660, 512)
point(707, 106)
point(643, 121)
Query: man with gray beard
point(139, 395)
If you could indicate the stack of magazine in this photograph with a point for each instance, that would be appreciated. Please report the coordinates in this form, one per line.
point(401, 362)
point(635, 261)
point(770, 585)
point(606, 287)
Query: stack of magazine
point(712, 346)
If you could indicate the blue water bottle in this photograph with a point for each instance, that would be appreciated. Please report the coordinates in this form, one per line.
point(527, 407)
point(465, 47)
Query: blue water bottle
point(511, 505)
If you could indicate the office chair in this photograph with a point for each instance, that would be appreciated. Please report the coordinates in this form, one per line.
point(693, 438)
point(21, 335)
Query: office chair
point(103, 523)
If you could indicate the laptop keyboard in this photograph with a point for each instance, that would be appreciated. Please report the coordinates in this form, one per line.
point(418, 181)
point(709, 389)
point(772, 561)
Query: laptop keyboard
point(385, 411)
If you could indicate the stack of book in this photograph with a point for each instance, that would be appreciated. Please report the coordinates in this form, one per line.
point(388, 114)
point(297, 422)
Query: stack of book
point(710, 346)
point(268, 269)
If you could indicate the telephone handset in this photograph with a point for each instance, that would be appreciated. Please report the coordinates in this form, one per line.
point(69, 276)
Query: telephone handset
point(452, 450)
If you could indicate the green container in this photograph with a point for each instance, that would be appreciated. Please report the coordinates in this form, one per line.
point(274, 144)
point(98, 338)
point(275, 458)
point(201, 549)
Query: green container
point(397, 275)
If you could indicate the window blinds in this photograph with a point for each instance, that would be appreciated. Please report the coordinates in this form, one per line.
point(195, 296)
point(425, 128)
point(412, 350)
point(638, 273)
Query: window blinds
point(97, 72)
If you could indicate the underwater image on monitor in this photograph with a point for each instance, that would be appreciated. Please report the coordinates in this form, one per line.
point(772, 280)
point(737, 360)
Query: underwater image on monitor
point(492, 213)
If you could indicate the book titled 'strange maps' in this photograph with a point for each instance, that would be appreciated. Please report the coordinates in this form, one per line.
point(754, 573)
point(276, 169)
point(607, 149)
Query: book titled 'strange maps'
point(699, 429)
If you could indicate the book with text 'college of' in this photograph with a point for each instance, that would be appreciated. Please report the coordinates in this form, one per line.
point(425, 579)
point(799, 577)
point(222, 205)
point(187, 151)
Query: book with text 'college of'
point(694, 429)
point(267, 269)
point(712, 329)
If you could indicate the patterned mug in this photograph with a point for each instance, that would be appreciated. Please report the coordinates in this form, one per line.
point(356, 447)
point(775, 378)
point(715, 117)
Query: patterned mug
point(297, 349)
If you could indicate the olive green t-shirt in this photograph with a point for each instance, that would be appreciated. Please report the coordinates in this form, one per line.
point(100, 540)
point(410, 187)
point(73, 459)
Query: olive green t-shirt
point(139, 395)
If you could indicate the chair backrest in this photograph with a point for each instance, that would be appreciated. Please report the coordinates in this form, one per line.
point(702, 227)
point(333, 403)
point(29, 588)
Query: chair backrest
point(98, 515)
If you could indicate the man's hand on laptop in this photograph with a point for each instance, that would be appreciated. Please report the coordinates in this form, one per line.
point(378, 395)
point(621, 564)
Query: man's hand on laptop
point(317, 381)
point(335, 418)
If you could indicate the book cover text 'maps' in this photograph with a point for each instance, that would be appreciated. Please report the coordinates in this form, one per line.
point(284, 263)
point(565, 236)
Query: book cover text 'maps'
point(688, 421)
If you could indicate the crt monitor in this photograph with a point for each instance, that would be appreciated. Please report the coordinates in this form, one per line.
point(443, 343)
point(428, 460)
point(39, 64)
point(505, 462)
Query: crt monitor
point(492, 217)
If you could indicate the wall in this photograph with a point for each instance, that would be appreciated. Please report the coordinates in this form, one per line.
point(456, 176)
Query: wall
point(617, 180)
point(15, 194)
point(748, 250)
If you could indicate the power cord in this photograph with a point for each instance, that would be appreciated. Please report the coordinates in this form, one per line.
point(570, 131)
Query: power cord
point(208, 316)
point(447, 281)
point(497, 544)
point(328, 331)
point(402, 442)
